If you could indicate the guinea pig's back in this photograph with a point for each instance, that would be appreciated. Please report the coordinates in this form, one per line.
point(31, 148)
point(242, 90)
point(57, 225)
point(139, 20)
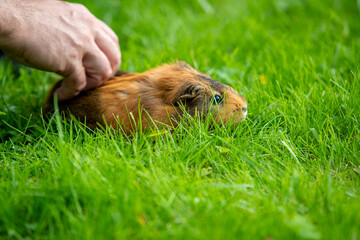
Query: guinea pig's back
point(132, 98)
point(85, 106)
point(154, 96)
point(117, 99)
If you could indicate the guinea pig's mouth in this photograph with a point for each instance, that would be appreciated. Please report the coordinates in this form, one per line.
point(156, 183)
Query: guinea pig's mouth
point(228, 117)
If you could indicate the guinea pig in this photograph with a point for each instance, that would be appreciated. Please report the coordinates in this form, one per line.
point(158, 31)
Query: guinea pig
point(158, 96)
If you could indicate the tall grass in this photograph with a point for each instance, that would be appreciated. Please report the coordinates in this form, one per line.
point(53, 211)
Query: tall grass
point(290, 171)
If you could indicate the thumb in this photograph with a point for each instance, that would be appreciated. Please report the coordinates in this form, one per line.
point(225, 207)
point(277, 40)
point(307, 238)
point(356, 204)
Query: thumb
point(73, 84)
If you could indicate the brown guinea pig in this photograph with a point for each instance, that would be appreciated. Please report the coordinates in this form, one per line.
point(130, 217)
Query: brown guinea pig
point(157, 96)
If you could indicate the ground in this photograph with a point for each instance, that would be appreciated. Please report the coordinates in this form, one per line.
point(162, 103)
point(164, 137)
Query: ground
point(290, 171)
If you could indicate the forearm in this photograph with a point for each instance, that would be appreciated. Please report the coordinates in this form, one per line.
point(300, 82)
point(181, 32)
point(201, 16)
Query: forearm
point(10, 21)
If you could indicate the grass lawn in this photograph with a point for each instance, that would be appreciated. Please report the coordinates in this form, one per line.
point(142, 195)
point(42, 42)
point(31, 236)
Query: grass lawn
point(290, 171)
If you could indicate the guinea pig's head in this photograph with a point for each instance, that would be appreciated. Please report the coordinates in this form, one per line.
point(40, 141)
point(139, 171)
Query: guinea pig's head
point(199, 93)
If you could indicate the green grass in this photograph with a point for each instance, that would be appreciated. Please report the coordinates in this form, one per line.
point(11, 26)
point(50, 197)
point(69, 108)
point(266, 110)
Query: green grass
point(290, 171)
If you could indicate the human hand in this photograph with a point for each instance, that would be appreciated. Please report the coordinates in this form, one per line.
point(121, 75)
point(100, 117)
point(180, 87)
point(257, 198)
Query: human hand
point(60, 37)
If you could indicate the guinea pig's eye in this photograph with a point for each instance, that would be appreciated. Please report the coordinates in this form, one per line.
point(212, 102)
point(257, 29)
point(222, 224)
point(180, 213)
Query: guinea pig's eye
point(216, 99)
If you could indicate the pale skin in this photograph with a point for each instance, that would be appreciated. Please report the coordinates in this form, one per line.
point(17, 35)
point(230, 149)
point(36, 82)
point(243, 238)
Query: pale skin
point(60, 37)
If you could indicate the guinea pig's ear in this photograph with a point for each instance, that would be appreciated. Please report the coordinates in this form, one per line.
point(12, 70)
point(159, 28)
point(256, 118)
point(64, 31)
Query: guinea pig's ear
point(183, 64)
point(188, 94)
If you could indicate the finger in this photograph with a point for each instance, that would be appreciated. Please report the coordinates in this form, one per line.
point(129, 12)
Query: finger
point(108, 30)
point(113, 36)
point(72, 84)
point(97, 68)
point(110, 48)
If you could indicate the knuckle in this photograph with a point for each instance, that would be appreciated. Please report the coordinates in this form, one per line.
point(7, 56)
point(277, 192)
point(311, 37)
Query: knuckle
point(116, 62)
point(82, 13)
point(79, 86)
point(78, 83)
point(107, 73)
point(116, 38)
point(81, 8)
point(86, 37)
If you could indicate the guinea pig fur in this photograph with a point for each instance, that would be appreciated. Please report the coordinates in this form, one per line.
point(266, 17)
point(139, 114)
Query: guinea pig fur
point(162, 93)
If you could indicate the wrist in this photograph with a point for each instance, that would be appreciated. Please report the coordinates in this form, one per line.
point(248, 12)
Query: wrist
point(9, 20)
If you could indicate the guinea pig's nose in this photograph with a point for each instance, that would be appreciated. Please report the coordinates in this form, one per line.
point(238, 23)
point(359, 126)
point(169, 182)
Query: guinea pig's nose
point(244, 109)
